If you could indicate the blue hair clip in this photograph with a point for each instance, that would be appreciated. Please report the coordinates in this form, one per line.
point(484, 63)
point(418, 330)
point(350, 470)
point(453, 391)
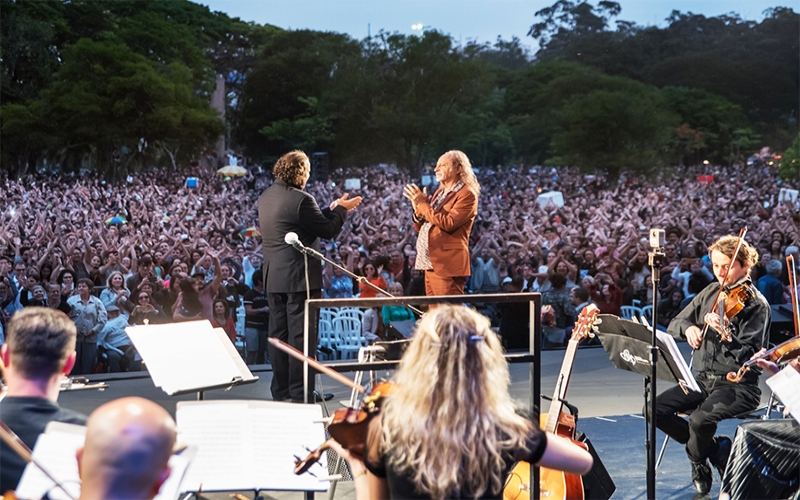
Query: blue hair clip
point(476, 338)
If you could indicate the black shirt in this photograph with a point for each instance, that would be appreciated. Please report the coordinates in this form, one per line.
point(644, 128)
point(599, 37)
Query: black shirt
point(256, 300)
point(749, 328)
point(27, 417)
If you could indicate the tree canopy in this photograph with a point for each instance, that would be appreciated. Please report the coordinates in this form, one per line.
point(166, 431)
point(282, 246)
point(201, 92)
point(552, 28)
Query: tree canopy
point(115, 86)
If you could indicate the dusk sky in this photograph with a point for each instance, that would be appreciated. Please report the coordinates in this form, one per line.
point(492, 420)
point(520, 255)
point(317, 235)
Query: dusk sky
point(464, 20)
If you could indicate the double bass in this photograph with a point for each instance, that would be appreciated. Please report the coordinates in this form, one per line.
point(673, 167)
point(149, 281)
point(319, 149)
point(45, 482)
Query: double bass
point(557, 484)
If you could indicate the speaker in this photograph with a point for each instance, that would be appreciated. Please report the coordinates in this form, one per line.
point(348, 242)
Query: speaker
point(597, 484)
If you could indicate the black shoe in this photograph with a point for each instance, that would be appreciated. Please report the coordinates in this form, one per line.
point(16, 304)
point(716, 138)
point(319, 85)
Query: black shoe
point(720, 459)
point(326, 397)
point(701, 477)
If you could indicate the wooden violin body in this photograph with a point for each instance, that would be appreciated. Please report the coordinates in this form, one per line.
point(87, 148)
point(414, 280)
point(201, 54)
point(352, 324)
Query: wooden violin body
point(734, 301)
point(783, 352)
point(348, 427)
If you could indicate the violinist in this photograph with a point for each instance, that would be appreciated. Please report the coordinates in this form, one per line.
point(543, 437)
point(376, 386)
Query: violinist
point(722, 345)
point(776, 441)
point(39, 351)
point(448, 429)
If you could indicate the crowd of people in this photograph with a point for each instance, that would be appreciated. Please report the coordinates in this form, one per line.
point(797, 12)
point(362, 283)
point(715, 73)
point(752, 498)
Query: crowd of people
point(154, 247)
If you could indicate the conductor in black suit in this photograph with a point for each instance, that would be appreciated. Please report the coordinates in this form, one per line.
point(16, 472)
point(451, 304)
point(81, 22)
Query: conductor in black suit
point(282, 208)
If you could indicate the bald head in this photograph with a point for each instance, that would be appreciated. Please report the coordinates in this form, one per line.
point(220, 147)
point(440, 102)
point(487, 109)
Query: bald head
point(128, 444)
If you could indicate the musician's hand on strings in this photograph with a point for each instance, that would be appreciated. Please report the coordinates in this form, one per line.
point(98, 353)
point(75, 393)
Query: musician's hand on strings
point(713, 320)
point(694, 336)
point(765, 363)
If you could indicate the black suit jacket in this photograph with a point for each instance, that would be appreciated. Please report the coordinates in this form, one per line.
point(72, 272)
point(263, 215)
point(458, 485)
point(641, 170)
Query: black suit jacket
point(283, 208)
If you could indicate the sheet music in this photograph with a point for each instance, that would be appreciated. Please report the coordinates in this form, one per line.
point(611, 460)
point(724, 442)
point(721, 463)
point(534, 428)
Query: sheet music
point(186, 356)
point(686, 374)
point(250, 444)
point(786, 385)
point(55, 450)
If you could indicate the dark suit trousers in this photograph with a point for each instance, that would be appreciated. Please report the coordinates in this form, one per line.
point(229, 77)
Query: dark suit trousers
point(719, 400)
point(286, 322)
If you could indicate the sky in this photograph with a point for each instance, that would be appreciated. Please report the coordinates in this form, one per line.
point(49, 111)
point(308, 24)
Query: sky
point(464, 20)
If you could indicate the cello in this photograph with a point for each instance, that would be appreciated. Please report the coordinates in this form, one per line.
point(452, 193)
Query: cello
point(557, 484)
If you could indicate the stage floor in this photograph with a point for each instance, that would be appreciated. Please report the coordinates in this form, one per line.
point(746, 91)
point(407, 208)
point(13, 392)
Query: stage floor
point(610, 403)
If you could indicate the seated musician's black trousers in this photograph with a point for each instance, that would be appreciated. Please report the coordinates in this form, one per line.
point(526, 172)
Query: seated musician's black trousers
point(719, 400)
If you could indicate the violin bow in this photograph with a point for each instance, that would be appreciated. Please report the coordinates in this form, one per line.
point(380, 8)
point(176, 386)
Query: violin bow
point(20, 448)
point(742, 232)
point(283, 346)
point(793, 293)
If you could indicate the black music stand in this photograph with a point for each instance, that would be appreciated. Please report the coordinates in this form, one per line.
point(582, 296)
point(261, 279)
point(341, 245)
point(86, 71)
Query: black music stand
point(629, 346)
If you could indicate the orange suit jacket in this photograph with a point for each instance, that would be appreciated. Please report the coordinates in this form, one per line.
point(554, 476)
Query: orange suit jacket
point(451, 225)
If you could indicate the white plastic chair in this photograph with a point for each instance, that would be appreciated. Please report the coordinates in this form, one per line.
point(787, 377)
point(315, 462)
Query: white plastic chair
point(628, 312)
point(328, 313)
point(351, 312)
point(327, 337)
point(647, 313)
point(349, 336)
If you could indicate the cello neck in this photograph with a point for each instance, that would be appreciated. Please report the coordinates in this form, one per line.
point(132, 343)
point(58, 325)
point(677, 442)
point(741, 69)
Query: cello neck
point(562, 383)
point(790, 266)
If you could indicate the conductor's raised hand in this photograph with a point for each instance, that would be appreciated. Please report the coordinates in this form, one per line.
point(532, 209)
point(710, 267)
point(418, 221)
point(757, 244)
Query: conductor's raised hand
point(415, 194)
point(349, 203)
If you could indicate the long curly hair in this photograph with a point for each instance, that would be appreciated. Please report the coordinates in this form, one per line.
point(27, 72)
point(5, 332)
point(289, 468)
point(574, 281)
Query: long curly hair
point(291, 168)
point(465, 171)
point(450, 417)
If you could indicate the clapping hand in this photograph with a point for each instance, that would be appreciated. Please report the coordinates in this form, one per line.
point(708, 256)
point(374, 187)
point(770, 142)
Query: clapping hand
point(415, 194)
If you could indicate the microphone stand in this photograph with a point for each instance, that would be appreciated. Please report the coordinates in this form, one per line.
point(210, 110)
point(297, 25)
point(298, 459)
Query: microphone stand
point(360, 279)
point(656, 260)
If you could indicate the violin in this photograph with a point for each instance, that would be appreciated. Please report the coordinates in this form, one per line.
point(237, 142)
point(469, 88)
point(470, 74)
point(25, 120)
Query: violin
point(731, 303)
point(348, 427)
point(720, 301)
point(778, 354)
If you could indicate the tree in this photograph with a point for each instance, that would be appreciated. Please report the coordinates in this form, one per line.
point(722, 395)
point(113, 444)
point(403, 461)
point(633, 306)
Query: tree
point(565, 20)
point(579, 116)
point(292, 65)
point(425, 93)
point(308, 130)
point(711, 116)
point(790, 164)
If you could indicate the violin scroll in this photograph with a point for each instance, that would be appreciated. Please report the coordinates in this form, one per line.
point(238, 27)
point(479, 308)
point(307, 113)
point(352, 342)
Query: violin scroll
point(783, 352)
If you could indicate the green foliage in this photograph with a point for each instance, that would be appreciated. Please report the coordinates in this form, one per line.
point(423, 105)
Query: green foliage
point(753, 65)
point(790, 164)
point(293, 66)
point(424, 96)
point(708, 124)
point(82, 78)
point(591, 120)
point(305, 132)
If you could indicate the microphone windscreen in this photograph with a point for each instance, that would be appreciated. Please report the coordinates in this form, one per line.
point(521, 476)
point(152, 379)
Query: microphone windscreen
point(291, 238)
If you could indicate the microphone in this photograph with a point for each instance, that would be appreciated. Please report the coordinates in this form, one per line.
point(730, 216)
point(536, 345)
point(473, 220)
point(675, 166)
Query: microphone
point(292, 239)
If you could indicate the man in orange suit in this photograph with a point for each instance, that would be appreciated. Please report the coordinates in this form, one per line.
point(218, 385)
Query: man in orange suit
point(444, 222)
